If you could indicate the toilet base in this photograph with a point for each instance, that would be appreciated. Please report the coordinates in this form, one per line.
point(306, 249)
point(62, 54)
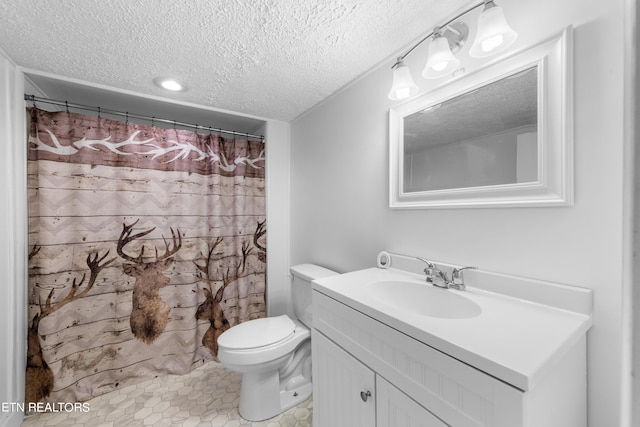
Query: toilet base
point(289, 399)
point(275, 381)
point(261, 397)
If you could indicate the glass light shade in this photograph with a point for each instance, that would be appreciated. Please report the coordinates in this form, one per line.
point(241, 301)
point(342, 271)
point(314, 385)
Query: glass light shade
point(440, 60)
point(403, 85)
point(494, 33)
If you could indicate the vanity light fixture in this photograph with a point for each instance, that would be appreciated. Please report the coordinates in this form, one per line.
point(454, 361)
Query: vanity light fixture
point(493, 35)
point(440, 59)
point(403, 85)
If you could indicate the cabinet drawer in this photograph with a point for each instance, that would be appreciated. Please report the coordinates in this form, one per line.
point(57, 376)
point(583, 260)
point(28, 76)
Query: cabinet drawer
point(455, 392)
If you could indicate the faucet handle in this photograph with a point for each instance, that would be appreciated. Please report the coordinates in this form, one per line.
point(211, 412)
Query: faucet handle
point(426, 261)
point(456, 275)
point(431, 271)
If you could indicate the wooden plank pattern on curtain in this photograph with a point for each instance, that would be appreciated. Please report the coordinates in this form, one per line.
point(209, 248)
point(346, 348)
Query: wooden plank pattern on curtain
point(146, 243)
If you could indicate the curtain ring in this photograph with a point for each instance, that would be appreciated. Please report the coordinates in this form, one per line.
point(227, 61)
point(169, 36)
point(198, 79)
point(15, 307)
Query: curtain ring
point(174, 125)
point(127, 118)
point(99, 113)
point(152, 121)
point(33, 100)
point(66, 103)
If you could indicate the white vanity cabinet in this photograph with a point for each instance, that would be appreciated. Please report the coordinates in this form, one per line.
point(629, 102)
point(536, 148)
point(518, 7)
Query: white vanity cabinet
point(346, 387)
point(414, 384)
point(349, 394)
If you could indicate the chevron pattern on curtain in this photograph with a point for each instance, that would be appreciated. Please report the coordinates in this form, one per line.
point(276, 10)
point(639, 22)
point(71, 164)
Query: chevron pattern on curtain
point(146, 244)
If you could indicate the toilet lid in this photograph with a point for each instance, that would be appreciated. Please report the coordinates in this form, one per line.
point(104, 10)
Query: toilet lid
point(257, 333)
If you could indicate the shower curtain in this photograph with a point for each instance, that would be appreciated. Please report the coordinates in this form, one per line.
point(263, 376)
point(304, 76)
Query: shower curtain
point(145, 245)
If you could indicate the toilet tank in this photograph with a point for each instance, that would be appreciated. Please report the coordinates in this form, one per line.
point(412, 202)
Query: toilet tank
point(303, 274)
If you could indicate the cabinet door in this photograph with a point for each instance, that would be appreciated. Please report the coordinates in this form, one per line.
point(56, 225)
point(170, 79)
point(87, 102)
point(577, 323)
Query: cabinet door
point(396, 409)
point(343, 388)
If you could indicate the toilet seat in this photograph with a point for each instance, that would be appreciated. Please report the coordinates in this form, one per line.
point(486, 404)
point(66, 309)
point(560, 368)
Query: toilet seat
point(257, 333)
point(279, 335)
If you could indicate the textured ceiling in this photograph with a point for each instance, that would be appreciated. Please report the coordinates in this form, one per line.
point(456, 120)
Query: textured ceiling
point(270, 58)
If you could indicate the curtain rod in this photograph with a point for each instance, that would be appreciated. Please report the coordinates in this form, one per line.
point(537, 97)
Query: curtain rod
point(99, 110)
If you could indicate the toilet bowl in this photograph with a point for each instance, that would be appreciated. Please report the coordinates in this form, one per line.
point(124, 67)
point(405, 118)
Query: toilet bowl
point(273, 354)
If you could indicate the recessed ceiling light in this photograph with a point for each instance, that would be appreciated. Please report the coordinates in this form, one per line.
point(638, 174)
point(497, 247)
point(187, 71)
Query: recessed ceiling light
point(169, 83)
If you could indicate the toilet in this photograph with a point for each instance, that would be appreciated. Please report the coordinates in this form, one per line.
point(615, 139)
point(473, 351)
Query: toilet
point(273, 354)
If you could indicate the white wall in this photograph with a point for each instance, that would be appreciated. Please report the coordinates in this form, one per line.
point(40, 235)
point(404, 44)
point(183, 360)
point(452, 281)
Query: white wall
point(634, 153)
point(13, 280)
point(277, 140)
point(340, 215)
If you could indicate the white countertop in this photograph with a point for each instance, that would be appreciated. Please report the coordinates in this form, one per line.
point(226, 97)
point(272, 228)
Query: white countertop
point(512, 339)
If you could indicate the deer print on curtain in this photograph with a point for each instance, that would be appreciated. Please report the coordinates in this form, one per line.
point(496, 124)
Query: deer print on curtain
point(149, 313)
point(147, 244)
point(211, 309)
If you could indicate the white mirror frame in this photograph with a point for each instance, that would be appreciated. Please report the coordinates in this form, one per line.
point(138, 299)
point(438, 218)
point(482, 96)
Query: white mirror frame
point(554, 186)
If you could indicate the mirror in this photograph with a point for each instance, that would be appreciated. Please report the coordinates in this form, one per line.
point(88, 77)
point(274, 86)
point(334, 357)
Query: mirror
point(497, 137)
point(496, 145)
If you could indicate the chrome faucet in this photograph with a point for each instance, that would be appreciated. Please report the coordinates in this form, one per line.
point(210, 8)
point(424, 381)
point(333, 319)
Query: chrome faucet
point(457, 279)
point(431, 271)
point(439, 278)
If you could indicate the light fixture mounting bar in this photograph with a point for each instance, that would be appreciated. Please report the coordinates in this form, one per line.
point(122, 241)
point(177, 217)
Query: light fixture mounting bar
point(446, 24)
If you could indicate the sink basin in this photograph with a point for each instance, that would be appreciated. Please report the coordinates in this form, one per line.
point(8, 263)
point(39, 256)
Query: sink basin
point(424, 299)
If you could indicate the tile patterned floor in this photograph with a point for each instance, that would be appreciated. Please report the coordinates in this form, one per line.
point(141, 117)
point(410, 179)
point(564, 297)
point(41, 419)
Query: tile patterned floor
point(208, 396)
